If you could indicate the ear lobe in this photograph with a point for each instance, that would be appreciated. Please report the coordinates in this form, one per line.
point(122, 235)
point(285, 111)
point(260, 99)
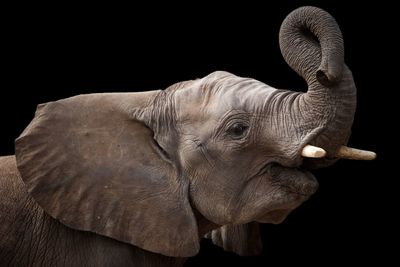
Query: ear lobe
point(243, 239)
point(90, 164)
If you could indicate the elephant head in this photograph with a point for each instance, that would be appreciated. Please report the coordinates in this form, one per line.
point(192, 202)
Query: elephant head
point(153, 168)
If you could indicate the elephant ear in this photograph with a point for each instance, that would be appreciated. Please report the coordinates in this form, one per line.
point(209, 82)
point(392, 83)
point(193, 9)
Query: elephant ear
point(243, 239)
point(90, 163)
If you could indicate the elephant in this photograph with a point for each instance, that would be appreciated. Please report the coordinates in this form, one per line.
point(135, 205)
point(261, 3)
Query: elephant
point(137, 179)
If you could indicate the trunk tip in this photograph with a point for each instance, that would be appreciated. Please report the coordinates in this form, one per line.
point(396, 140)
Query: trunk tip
point(325, 78)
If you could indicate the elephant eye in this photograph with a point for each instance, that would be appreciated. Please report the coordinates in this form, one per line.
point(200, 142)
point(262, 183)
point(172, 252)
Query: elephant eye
point(237, 130)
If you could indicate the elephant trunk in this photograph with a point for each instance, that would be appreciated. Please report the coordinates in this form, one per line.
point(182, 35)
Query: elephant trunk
point(312, 44)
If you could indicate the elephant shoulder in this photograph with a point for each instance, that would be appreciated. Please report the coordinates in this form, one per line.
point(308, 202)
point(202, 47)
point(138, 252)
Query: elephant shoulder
point(12, 187)
point(15, 206)
point(8, 165)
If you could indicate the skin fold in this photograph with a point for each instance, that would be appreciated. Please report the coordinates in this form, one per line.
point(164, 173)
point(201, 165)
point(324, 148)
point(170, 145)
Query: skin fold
point(144, 176)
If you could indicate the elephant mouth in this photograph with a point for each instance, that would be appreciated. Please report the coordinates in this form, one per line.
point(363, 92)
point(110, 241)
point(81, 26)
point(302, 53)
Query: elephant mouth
point(292, 186)
point(295, 181)
point(286, 201)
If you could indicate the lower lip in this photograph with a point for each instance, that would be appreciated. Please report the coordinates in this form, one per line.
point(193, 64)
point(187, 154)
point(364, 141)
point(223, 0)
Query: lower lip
point(275, 217)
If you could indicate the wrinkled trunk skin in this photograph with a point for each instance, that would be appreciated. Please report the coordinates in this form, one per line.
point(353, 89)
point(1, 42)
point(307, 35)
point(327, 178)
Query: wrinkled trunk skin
point(312, 44)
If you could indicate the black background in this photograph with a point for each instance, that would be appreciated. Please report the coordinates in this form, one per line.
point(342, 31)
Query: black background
point(51, 52)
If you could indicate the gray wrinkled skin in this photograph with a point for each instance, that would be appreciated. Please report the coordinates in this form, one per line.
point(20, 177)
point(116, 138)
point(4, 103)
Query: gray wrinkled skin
point(144, 176)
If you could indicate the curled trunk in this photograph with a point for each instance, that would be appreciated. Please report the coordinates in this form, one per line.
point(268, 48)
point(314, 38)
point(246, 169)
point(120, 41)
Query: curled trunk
point(312, 44)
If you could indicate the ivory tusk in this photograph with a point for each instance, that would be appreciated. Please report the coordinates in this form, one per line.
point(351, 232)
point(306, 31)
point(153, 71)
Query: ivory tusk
point(310, 151)
point(345, 152)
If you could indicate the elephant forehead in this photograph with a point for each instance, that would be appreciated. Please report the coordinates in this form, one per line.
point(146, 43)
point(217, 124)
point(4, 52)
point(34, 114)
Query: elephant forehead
point(218, 93)
point(247, 96)
point(232, 92)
